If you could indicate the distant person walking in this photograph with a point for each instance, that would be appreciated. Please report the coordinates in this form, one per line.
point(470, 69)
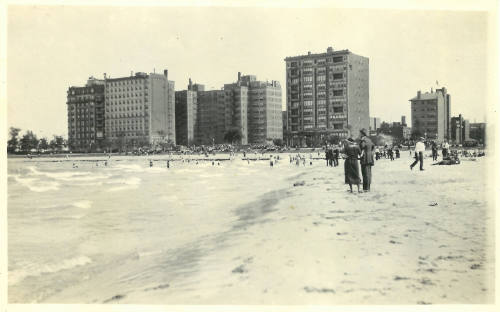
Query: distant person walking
point(390, 153)
point(434, 151)
point(366, 146)
point(336, 155)
point(351, 167)
point(419, 154)
point(328, 156)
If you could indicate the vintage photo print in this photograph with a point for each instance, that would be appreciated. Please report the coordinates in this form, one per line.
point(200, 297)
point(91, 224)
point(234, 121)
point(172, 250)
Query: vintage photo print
point(263, 156)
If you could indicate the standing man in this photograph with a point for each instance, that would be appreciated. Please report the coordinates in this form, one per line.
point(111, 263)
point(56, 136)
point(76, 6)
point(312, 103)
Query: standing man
point(327, 155)
point(434, 151)
point(336, 155)
point(419, 154)
point(366, 146)
point(446, 148)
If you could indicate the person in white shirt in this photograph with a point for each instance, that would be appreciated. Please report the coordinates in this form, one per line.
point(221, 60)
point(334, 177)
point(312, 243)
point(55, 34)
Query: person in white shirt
point(446, 149)
point(419, 154)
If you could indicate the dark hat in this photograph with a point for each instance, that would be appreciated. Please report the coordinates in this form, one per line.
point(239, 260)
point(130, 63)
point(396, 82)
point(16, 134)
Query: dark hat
point(350, 139)
point(363, 131)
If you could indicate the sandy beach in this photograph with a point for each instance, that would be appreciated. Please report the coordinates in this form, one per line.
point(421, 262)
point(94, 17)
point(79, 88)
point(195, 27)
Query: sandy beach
point(416, 238)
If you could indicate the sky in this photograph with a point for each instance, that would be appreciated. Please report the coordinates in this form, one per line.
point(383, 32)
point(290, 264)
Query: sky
point(50, 48)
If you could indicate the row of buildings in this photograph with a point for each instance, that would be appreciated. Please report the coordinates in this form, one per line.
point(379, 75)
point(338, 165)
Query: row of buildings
point(144, 109)
point(431, 119)
point(327, 95)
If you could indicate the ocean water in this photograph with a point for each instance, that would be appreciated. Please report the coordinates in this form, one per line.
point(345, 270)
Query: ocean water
point(124, 227)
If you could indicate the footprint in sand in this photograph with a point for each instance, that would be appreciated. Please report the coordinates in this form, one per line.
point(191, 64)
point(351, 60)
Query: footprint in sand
point(240, 269)
point(319, 290)
point(114, 298)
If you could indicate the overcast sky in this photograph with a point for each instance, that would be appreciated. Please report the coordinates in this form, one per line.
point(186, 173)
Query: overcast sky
point(52, 48)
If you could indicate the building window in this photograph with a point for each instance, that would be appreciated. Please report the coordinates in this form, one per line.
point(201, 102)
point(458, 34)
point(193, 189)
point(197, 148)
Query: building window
point(338, 92)
point(338, 59)
point(308, 79)
point(338, 76)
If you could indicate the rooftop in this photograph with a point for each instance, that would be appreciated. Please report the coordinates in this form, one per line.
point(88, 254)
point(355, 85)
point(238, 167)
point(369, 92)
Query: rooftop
point(425, 96)
point(329, 52)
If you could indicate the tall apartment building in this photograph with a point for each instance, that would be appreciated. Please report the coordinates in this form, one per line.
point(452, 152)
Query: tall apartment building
point(236, 110)
point(211, 117)
point(186, 114)
point(140, 109)
point(285, 121)
point(264, 109)
point(460, 130)
point(85, 107)
point(430, 115)
point(374, 123)
point(478, 132)
point(327, 95)
point(250, 107)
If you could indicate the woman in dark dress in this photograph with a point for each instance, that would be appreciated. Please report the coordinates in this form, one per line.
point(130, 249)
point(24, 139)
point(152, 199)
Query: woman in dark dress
point(351, 164)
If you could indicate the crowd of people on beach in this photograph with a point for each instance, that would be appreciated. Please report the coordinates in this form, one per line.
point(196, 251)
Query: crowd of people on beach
point(359, 156)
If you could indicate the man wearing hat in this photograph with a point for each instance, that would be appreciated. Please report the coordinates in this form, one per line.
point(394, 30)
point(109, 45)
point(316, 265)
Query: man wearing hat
point(366, 146)
point(419, 154)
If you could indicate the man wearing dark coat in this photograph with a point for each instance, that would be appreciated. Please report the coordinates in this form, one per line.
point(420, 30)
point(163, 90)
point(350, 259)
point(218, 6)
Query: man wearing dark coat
point(366, 146)
point(336, 155)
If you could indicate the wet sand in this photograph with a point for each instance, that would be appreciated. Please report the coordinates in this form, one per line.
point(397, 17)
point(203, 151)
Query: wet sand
point(416, 238)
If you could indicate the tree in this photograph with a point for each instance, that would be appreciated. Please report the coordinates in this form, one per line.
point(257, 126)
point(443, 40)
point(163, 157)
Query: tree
point(416, 133)
point(29, 141)
point(13, 141)
point(121, 140)
point(385, 128)
point(57, 143)
point(278, 142)
point(43, 144)
point(232, 135)
point(333, 139)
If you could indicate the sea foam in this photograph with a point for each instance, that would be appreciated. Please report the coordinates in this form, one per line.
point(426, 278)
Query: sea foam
point(36, 269)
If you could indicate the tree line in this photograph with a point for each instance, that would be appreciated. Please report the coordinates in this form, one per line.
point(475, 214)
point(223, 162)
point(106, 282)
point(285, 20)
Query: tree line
point(29, 142)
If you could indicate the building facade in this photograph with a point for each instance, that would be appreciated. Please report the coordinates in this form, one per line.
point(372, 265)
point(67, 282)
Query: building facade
point(459, 130)
point(140, 110)
point(285, 121)
point(186, 114)
point(374, 123)
point(430, 115)
point(478, 132)
point(249, 108)
point(264, 109)
point(327, 95)
point(211, 117)
point(85, 106)
point(400, 131)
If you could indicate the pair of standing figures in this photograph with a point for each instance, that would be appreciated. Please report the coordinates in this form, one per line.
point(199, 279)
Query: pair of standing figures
point(362, 152)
